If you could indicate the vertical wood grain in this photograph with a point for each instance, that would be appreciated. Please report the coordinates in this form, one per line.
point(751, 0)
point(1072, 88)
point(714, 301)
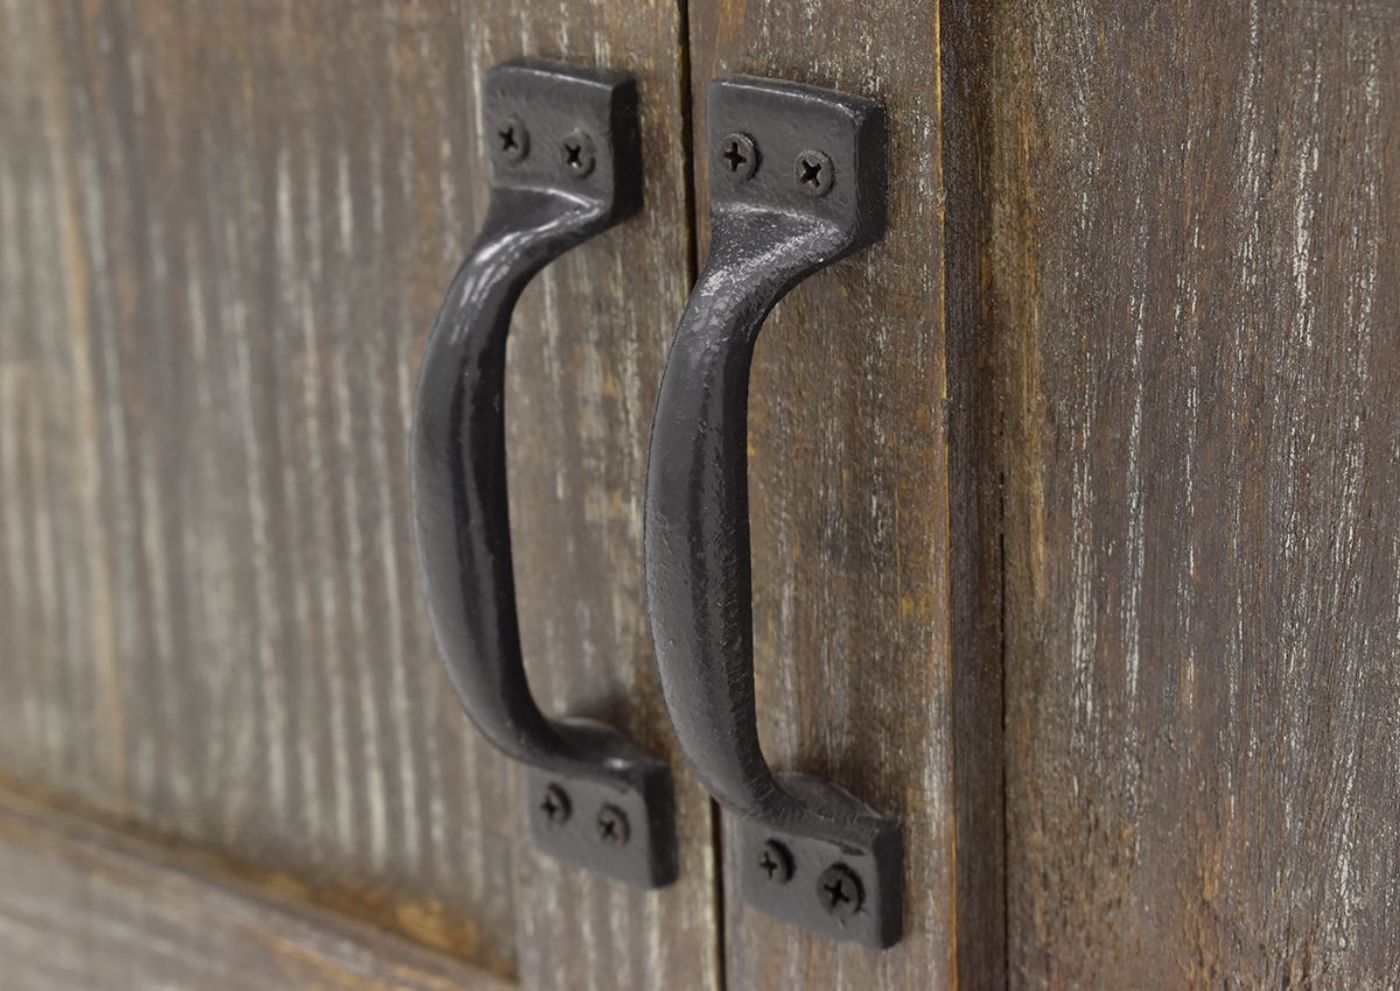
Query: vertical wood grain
point(225, 229)
point(849, 493)
point(584, 365)
point(976, 498)
point(1188, 264)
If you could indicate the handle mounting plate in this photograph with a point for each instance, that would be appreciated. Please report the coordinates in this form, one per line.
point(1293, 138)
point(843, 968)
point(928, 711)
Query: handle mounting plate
point(819, 157)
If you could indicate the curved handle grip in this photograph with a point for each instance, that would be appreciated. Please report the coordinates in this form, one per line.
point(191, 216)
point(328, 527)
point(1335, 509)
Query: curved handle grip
point(566, 166)
point(797, 181)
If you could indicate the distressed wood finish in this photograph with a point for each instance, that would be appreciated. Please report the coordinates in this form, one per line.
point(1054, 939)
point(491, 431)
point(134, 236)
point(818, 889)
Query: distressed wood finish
point(1153, 490)
point(224, 231)
point(1190, 270)
point(585, 363)
point(975, 497)
point(86, 907)
point(849, 492)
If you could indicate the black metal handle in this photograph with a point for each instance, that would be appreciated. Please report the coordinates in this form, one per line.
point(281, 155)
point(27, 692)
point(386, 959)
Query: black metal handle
point(797, 181)
point(565, 166)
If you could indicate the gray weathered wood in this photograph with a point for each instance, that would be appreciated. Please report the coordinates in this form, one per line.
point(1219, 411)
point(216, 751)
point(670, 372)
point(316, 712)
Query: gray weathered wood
point(585, 362)
point(1188, 266)
point(225, 229)
point(1163, 487)
point(849, 493)
point(85, 906)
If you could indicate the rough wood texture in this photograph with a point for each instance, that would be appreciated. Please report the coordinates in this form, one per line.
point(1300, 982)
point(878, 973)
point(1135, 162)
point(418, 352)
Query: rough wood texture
point(975, 497)
point(1189, 265)
point(224, 231)
point(86, 907)
point(849, 492)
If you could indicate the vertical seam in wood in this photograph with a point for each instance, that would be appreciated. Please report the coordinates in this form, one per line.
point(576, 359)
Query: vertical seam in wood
point(977, 510)
point(944, 411)
point(1001, 677)
point(692, 257)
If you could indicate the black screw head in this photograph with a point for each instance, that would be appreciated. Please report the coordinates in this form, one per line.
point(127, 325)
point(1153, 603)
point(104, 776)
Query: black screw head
point(840, 892)
point(814, 172)
point(775, 861)
point(612, 826)
point(576, 154)
point(738, 155)
point(511, 140)
point(555, 805)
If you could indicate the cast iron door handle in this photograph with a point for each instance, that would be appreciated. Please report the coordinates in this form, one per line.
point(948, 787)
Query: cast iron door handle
point(566, 165)
point(797, 181)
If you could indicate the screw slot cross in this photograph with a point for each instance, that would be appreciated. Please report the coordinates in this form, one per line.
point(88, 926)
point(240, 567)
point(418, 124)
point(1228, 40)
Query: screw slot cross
point(775, 862)
point(612, 825)
point(576, 154)
point(512, 140)
point(839, 891)
point(555, 805)
point(739, 156)
point(770, 864)
point(734, 156)
point(813, 172)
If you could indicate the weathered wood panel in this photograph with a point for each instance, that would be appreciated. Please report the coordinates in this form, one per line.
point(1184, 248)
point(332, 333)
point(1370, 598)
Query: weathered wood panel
point(1190, 269)
point(849, 492)
point(224, 231)
point(86, 907)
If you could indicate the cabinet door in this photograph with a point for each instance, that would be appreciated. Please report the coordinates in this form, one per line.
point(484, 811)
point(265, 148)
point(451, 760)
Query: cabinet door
point(225, 229)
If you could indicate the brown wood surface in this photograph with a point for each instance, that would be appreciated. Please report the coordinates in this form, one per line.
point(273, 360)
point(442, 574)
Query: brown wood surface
point(976, 478)
point(225, 229)
point(849, 493)
point(1142, 482)
point(84, 907)
point(1187, 262)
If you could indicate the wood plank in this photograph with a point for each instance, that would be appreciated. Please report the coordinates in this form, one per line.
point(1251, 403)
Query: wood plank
point(86, 906)
point(976, 500)
point(586, 360)
point(224, 232)
point(849, 492)
point(1189, 265)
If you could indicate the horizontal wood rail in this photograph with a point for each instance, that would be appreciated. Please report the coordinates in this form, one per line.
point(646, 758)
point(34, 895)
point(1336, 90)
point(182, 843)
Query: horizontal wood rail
point(85, 906)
